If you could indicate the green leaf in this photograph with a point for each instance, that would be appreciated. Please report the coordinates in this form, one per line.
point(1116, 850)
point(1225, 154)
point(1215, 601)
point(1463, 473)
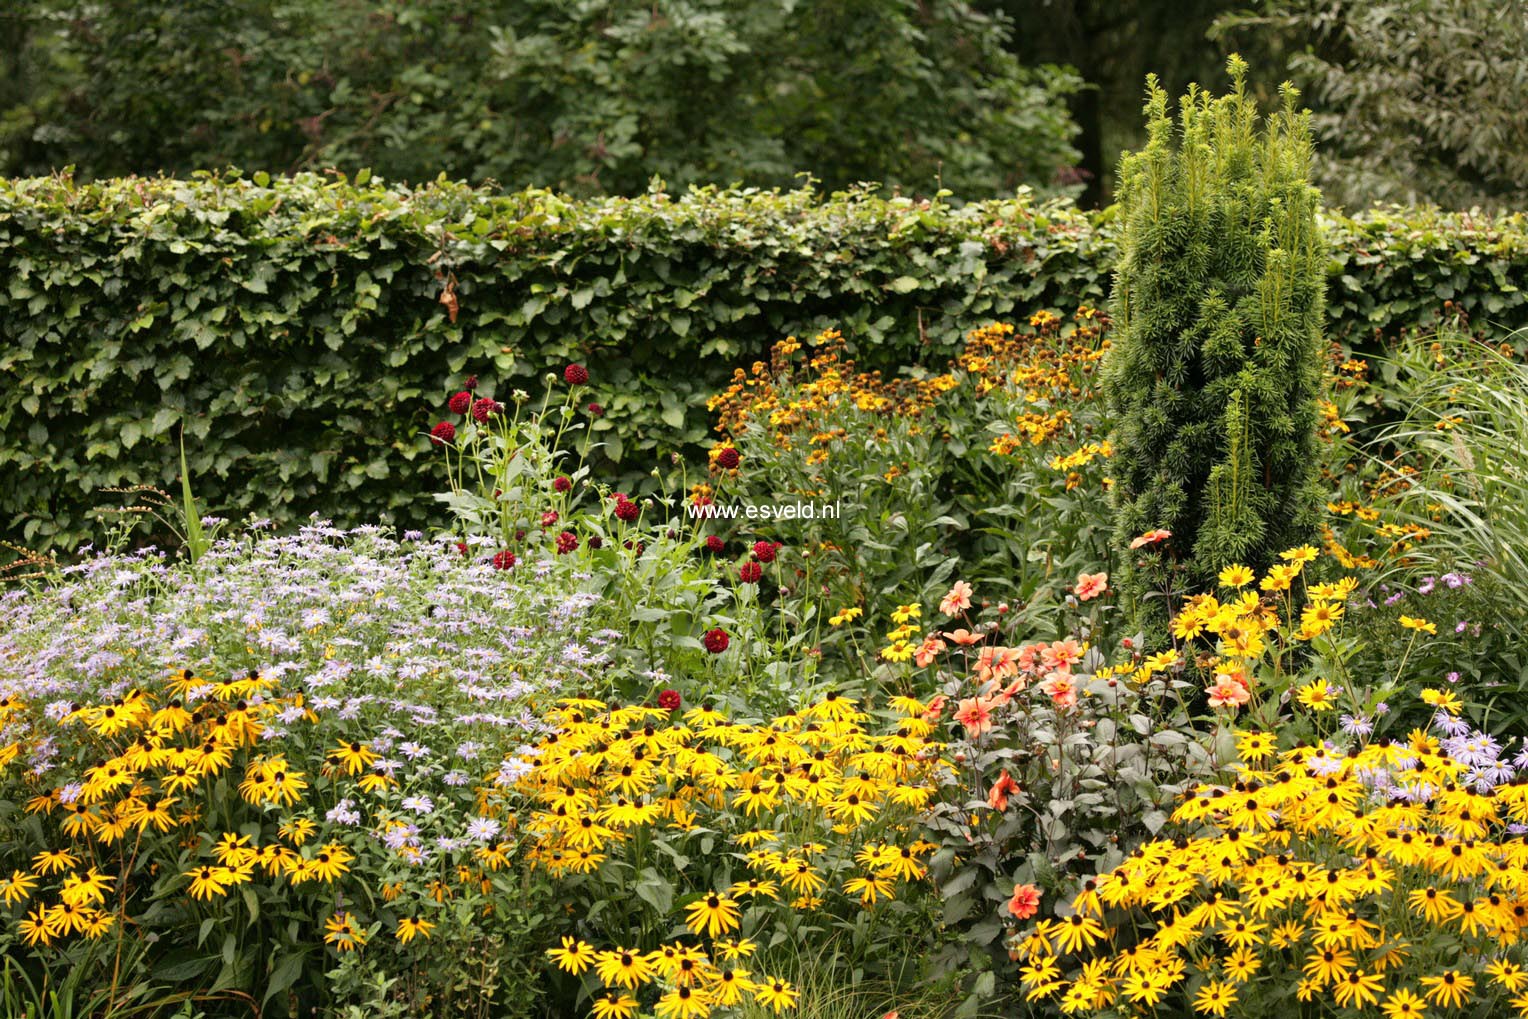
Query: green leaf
point(652, 889)
point(196, 538)
point(283, 975)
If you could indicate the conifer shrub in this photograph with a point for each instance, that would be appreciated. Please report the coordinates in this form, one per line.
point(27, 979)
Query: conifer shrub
point(1216, 367)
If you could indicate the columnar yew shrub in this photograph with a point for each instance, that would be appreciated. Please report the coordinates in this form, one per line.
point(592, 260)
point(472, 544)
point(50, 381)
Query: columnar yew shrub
point(1215, 368)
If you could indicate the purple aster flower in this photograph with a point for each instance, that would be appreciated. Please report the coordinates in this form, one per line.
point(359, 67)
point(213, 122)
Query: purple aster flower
point(419, 804)
point(483, 829)
point(343, 812)
point(1356, 725)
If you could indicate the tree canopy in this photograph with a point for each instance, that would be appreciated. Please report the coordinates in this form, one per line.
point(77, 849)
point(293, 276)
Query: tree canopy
point(593, 96)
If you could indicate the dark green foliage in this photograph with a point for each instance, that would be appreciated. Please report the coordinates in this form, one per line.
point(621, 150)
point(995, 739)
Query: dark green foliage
point(1217, 362)
point(1114, 45)
point(298, 327)
point(1415, 100)
point(589, 98)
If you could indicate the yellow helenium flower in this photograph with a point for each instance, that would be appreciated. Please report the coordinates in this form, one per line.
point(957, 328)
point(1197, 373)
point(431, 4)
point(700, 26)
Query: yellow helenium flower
point(1317, 696)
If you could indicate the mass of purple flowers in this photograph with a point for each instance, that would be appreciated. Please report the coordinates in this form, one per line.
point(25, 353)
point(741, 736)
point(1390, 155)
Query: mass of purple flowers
point(437, 651)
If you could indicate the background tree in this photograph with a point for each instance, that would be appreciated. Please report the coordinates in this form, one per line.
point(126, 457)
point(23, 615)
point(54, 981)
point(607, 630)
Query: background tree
point(1114, 46)
point(591, 96)
point(1216, 364)
point(1416, 100)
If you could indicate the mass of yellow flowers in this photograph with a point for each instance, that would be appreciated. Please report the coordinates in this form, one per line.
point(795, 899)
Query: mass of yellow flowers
point(818, 806)
point(1388, 880)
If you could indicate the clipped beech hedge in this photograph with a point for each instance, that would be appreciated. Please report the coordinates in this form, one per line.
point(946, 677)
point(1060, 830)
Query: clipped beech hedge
point(306, 332)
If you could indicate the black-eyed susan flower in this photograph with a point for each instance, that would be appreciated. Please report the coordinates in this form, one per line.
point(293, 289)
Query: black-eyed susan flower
point(775, 993)
point(207, 881)
point(623, 967)
point(342, 932)
point(712, 914)
point(613, 1004)
point(54, 861)
point(1214, 998)
point(36, 929)
point(1449, 989)
point(1403, 1003)
point(17, 887)
point(410, 927)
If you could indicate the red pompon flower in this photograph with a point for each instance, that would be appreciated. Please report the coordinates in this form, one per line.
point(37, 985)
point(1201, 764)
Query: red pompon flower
point(443, 433)
point(460, 402)
point(727, 457)
point(562, 483)
point(567, 541)
point(627, 510)
point(750, 573)
point(471, 383)
point(548, 518)
point(639, 546)
point(716, 640)
point(461, 547)
point(504, 560)
point(596, 410)
point(669, 700)
point(575, 374)
point(483, 409)
point(596, 542)
point(764, 551)
point(715, 544)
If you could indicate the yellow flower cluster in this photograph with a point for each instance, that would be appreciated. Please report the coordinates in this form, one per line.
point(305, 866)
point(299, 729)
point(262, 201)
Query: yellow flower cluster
point(1047, 371)
point(691, 983)
point(1245, 626)
point(816, 804)
point(158, 758)
point(803, 401)
point(1377, 880)
point(607, 773)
